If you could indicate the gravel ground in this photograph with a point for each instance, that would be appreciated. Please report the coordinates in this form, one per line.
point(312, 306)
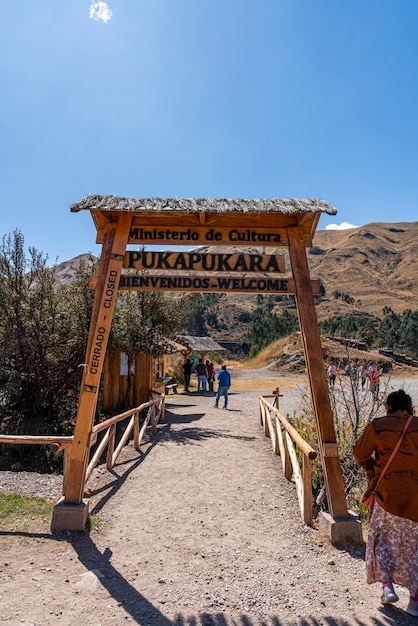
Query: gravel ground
point(200, 527)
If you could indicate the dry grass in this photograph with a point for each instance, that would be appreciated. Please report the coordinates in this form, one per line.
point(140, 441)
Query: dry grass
point(269, 354)
point(265, 385)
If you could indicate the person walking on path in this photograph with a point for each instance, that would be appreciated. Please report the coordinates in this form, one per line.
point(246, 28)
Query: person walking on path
point(332, 374)
point(224, 380)
point(362, 371)
point(187, 372)
point(374, 377)
point(391, 553)
point(210, 374)
point(201, 376)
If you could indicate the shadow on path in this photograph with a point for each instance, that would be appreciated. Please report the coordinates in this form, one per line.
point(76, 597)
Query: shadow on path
point(143, 612)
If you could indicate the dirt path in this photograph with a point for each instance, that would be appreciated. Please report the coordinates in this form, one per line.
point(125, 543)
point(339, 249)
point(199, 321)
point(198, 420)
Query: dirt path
point(200, 528)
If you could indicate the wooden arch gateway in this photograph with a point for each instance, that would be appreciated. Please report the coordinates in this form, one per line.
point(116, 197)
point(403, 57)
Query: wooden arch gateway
point(267, 224)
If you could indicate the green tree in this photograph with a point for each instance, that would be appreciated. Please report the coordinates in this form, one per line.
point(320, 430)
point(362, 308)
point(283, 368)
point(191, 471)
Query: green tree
point(145, 322)
point(201, 314)
point(43, 333)
point(266, 326)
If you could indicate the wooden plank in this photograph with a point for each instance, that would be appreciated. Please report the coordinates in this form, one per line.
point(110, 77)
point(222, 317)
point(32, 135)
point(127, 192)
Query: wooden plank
point(297, 475)
point(298, 439)
point(178, 235)
point(136, 431)
point(267, 424)
point(316, 371)
point(143, 429)
point(47, 440)
point(105, 300)
point(111, 448)
point(272, 431)
point(204, 262)
point(276, 439)
point(206, 284)
point(330, 449)
point(143, 381)
point(109, 233)
point(118, 418)
point(98, 453)
point(307, 490)
point(111, 380)
point(123, 440)
point(216, 230)
point(280, 437)
point(287, 462)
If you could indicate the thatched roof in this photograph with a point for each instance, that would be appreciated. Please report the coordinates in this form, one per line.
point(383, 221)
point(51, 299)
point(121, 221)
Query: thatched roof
point(199, 344)
point(207, 205)
point(170, 347)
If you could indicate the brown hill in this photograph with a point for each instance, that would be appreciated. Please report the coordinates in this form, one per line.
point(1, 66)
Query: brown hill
point(376, 264)
point(65, 272)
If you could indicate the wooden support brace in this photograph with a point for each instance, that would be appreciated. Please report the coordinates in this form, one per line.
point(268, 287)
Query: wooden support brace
point(316, 371)
point(105, 299)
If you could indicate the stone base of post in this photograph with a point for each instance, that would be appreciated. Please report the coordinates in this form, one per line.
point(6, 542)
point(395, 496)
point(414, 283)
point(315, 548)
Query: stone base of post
point(342, 531)
point(70, 516)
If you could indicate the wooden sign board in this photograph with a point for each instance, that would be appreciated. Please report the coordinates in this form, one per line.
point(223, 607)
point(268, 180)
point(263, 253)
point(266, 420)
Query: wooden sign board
point(206, 262)
point(207, 284)
point(204, 236)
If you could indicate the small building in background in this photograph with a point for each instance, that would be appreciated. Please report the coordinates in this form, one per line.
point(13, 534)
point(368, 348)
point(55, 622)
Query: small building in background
point(198, 344)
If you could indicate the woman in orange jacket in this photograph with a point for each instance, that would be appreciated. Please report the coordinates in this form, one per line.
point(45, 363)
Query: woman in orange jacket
point(391, 554)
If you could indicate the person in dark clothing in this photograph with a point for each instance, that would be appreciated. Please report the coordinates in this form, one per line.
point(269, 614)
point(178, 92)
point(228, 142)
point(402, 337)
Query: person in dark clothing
point(201, 376)
point(187, 372)
point(210, 371)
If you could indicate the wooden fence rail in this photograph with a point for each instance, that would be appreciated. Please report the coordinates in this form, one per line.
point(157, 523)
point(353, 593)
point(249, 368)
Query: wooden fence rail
point(284, 438)
point(155, 414)
point(55, 443)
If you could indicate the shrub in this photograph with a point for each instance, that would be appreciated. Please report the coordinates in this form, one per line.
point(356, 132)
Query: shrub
point(352, 409)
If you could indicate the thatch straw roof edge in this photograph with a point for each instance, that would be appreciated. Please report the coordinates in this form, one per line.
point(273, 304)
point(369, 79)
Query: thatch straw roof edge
point(210, 205)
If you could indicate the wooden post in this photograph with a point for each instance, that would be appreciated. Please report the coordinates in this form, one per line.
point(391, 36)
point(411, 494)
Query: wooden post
point(317, 376)
point(307, 490)
point(136, 431)
point(266, 422)
point(104, 303)
point(111, 447)
point(277, 395)
point(111, 380)
point(286, 460)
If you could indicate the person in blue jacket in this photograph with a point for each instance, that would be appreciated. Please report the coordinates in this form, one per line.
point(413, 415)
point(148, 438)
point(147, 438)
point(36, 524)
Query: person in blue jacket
point(224, 380)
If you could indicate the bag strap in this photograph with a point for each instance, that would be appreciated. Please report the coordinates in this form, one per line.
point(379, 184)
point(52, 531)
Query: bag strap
point(394, 451)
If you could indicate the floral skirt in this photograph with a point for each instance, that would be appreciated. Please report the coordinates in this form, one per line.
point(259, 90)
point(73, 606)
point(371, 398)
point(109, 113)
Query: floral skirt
point(392, 550)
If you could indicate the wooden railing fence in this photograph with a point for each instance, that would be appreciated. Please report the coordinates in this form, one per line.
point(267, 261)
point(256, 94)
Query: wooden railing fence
point(284, 439)
point(155, 413)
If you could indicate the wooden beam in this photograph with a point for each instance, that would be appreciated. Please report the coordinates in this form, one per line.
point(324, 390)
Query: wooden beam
point(317, 375)
point(105, 300)
point(179, 233)
point(204, 262)
point(48, 440)
point(207, 283)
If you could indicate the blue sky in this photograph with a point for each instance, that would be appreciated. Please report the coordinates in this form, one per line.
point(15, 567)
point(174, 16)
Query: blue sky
point(205, 98)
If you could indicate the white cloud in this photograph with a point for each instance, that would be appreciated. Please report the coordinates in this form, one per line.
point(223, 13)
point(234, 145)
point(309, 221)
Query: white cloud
point(100, 12)
point(342, 226)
